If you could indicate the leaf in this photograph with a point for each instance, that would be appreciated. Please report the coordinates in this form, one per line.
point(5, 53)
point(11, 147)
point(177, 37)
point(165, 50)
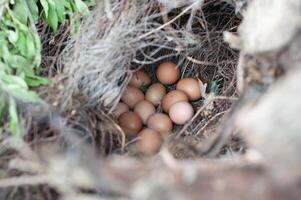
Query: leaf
point(34, 81)
point(13, 36)
point(82, 7)
point(4, 67)
point(30, 46)
point(45, 7)
point(11, 79)
point(143, 88)
point(33, 7)
point(66, 4)
point(17, 61)
point(60, 10)
point(20, 12)
point(2, 105)
point(26, 70)
point(51, 3)
point(38, 58)
point(22, 94)
point(17, 87)
point(13, 118)
point(75, 26)
point(52, 19)
point(21, 43)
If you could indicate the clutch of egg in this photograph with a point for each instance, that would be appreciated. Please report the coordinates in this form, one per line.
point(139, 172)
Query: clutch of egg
point(141, 114)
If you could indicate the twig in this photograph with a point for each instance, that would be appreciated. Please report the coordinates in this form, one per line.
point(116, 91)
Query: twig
point(59, 46)
point(208, 101)
point(168, 23)
point(108, 9)
point(209, 121)
point(227, 126)
point(207, 63)
point(24, 180)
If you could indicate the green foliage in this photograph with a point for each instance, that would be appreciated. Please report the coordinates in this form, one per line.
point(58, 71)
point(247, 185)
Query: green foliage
point(20, 49)
point(143, 88)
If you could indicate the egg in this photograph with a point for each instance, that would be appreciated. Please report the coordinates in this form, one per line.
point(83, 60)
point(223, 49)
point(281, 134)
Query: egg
point(139, 78)
point(131, 96)
point(144, 109)
point(119, 109)
point(172, 97)
point(190, 87)
point(149, 142)
point(181, 112)
point(130, 123)
point(168, 73)
point(155, 93)
point(160, 122)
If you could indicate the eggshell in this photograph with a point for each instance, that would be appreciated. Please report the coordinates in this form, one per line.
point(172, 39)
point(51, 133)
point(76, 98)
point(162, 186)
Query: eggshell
point(149, 142)
point(168, 73)
point(120, 108)
point(144, 109)
point(181, 112)
point(190, 87)
point(131, 96)
point(172, 97)
point(130, 123)
point(155, 93)
point(139, 78)
point(160, 122)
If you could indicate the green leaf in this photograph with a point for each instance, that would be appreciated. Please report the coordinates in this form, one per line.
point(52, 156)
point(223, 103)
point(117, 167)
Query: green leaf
point(45, 7)
point(34, 81)
point(17, 61)
point(66, 4)
point(51, 3)
point(13, 118)
point(11, 79)
point(38, 57)
point(27, 71)
point(22, 94)
point(33, 7)
point(20, 12)
point(13, 36)
point(4, 67)
point(60, 10)
point(30, 46)
point(143, 88)
point(21, 43)
point(82, 7)
point(52, 19)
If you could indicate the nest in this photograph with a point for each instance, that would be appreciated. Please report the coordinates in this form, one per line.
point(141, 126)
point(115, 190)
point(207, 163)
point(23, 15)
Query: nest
point(94, 68)
point(111, 44)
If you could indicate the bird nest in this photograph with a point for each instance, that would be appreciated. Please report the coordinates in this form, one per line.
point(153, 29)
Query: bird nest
point(96, 66)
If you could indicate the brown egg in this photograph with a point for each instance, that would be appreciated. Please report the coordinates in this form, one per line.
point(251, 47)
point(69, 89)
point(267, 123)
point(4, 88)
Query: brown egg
point(191, 88)
point(119, 109)
point(139, 78)
point(144, 109)
point(130, 123)
point(155, 93)
point(172, 97)
point(181, 112)
point(131, 96)
point(160, 122)
point(168, 73)
point(149, 142)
